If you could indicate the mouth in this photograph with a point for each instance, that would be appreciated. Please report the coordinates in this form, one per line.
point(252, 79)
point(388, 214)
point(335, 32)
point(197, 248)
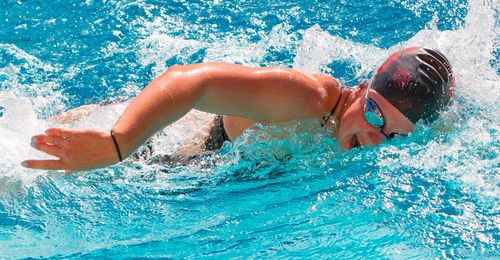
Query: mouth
point(354, 142)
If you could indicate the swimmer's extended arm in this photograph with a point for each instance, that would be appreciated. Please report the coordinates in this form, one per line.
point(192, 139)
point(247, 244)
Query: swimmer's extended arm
point(270, 94)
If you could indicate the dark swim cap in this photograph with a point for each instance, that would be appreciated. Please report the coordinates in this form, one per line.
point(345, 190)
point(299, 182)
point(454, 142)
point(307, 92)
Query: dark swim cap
point(417, 81)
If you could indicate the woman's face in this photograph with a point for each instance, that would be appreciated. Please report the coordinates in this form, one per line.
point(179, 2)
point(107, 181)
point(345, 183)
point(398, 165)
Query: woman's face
point(355, 131)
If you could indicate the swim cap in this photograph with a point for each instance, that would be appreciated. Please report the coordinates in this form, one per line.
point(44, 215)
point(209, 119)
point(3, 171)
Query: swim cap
point(417, 81)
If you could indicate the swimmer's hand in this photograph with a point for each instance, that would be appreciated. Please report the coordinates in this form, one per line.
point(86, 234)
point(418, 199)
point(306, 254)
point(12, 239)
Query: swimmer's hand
point(76, 150)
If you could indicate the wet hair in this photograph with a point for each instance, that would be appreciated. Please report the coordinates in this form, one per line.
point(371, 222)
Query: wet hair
point(417, 81)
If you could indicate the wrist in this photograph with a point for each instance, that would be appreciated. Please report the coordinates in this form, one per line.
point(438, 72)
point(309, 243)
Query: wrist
point(117, 146)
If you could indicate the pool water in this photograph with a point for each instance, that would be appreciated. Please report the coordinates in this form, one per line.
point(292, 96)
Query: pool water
point(432, 195)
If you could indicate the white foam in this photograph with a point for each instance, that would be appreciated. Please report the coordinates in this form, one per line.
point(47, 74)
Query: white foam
point(28, 68)
point(18, 123)
point(158, 46)
point(469, 50)
point(320, 48)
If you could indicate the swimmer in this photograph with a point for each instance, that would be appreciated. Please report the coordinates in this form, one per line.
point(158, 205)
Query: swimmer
point(413, 84)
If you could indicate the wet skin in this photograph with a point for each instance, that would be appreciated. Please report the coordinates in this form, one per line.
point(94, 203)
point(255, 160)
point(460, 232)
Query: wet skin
point(245, 95)
point(353, 130)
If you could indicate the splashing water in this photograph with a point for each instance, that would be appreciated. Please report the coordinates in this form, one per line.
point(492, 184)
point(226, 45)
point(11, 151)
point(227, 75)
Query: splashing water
point(434, 194)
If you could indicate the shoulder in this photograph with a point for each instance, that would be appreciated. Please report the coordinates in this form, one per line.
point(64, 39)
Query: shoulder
point(326, 81)
point(330, 85)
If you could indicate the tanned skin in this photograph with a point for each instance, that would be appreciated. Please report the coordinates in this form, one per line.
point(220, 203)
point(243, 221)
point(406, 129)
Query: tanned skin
point(242, 94)
point(246, 95)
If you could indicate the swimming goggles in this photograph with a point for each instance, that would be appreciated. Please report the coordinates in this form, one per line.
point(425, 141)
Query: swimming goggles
point(374, 116)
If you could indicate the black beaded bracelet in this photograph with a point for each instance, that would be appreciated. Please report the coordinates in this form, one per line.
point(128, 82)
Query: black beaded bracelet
point(116, 145)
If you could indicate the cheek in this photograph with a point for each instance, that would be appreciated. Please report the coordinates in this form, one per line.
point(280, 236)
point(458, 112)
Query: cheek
point(351, 123)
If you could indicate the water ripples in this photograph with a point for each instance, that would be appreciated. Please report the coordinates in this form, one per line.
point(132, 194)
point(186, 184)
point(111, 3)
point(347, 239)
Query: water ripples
point(434, 194)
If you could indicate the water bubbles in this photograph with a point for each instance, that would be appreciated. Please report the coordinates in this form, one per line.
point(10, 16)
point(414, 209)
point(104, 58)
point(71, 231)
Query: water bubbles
point(436, 189)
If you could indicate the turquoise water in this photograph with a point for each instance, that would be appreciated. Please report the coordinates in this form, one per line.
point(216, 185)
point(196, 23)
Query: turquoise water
point(432, 195)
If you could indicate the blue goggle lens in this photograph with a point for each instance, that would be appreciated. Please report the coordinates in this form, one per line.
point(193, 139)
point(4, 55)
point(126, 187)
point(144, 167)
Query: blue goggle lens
point(373, 115)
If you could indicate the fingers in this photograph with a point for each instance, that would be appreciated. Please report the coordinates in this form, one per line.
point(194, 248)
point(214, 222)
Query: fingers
point(49, 139)
point(48, 165)
point(49, 149)
point(54, 137)
point(44, 164)
point(51, 143)
point(76, 149)
point(62, 132)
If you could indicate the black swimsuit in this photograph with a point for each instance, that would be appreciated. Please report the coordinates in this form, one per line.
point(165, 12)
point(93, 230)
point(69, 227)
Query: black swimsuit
point(217, 135)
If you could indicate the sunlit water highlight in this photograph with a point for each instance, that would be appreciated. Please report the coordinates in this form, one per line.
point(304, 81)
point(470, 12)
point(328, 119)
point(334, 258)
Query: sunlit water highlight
point(434, 194)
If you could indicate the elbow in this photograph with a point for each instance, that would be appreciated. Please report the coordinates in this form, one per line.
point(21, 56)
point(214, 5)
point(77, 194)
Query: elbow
point(183, 81)
point(173, 71)
point(196, 72)
point(182, 75)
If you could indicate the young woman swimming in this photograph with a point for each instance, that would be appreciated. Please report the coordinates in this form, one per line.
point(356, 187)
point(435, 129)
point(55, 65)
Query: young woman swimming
point(413, 84)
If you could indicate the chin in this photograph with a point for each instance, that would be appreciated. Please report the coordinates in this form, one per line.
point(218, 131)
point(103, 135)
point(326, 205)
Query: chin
point(343, 145)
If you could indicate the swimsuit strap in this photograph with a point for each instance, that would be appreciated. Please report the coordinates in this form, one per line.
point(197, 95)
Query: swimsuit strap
point(326, 118)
